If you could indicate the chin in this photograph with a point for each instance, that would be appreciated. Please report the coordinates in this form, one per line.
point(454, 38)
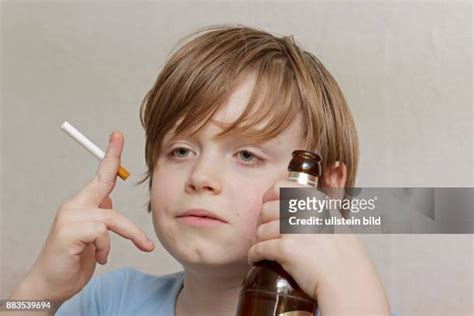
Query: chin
point(207, 255)
point(192, 248)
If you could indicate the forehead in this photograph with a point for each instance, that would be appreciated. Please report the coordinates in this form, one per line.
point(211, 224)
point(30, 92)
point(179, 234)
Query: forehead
point(290, 137)
point(235, 107)
point(231, 110)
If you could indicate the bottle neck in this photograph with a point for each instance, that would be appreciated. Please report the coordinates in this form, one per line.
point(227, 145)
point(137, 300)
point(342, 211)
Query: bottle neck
point(303, 178)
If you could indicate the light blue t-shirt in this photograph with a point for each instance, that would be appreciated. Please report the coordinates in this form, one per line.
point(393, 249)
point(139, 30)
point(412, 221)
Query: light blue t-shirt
point(126, 292)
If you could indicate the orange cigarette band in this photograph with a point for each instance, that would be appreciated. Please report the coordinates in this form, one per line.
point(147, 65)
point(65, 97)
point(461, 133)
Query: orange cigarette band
point(123, 173)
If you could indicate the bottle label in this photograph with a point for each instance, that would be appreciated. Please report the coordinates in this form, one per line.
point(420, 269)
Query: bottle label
point(296, 313)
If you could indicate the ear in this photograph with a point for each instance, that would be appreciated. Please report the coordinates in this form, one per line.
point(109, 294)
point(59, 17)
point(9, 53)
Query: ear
point(336, 175)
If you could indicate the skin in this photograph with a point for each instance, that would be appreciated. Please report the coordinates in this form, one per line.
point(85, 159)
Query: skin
point(221, 176)
point(215, 175)
point(79, 239)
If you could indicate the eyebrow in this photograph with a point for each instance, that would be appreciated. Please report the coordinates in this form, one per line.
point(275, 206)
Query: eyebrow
point(249, 130)
point(238, 137)
point(171, 134)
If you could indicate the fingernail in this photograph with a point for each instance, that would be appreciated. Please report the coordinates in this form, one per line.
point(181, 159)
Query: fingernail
point(150, 244)
point(111, 136)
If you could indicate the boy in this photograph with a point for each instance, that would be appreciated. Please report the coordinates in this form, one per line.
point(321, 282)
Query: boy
point(221, 122)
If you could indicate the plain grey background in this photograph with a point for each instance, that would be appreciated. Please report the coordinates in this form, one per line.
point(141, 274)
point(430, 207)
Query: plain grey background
point(405, 68)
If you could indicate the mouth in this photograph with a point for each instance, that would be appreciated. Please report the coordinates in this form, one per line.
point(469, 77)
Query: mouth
point(200, 217)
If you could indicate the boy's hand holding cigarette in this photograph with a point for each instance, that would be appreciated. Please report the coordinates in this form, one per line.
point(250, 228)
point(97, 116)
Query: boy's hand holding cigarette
point(79, 237)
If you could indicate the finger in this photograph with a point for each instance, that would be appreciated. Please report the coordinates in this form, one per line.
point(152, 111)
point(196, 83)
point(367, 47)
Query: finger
point(265, 250)
point(127, 229)
point(102, 245)
point(87, 257)
point(106, 203)
point(104, 180)
point(270, 212)
point(267, 231)
point(115, 222)
point(274, 192)
point(84, 234)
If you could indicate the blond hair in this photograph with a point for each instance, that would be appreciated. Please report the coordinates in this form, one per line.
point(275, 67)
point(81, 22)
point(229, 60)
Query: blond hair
point(200, 76)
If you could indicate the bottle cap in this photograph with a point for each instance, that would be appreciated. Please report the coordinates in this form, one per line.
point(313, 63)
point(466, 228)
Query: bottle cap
point(306, 161)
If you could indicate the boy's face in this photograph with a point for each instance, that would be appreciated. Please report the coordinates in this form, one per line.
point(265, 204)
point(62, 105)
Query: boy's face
point(226, 176)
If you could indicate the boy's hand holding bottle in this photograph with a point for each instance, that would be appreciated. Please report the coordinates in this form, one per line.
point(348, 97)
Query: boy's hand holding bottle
point(335, 269)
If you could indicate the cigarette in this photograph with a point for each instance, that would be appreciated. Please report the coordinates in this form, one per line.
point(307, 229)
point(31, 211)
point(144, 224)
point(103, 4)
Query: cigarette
point(90, 146)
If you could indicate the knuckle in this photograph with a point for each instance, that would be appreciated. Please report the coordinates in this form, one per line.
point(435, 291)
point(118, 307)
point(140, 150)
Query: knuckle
point(104, 251)
point(267, 214)
point(285, 247)
point(61, 218)
point(281, 184)
point(260, 232)
point(107, 250)
point(258, 249)
point(95, 180)
point(61, 232)
point(65, 206)
point(100, 229)
point(264, 211)
point(70, 251)
point(102, 181)
point(276, 189)
point(251, 253)
point(106, 215)
point(267, 210)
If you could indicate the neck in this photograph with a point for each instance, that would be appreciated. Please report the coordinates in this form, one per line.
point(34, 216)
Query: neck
point(210, 290)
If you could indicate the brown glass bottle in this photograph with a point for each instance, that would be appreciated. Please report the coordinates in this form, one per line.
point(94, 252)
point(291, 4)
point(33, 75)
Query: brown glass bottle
point(268, 290)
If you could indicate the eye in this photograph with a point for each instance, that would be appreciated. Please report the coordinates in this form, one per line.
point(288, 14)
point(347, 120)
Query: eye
point(249, 158)
point(180, 152)
point(246, 155)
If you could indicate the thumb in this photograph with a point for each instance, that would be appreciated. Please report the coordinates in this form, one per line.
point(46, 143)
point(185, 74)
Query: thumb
point(106, 203)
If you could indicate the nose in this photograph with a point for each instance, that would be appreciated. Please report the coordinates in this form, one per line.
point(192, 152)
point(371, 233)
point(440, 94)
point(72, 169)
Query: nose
point(205, 177)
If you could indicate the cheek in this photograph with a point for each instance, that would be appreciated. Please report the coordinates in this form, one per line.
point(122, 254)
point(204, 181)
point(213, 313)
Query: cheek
point(163, 195)
point(250, 200)
point(163, 190)
point(248, 210)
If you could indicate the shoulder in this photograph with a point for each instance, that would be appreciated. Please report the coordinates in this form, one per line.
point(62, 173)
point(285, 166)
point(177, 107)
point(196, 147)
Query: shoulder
point(126, 292)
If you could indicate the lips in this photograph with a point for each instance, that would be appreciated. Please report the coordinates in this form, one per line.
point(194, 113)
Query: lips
point(201, 213)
